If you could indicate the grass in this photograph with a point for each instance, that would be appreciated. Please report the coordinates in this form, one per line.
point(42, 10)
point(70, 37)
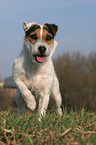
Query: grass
point(73, 128)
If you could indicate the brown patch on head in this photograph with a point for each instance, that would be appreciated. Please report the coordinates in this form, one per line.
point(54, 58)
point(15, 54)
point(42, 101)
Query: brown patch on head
point(47, 37)
point(33, 34)
point(49, 31)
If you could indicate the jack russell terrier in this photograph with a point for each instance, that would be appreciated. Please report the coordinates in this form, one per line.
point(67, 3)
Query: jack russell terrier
point(33, 71)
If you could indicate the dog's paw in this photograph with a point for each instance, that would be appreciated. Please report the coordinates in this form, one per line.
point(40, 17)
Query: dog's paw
point(32, 104)
point(39, 119)
point(59, 110)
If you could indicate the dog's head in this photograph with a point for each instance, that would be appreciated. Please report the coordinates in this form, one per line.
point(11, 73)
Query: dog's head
point(39, 40)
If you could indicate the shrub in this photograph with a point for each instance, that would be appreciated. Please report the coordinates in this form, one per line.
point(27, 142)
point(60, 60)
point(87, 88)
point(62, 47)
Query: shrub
point(77, 77)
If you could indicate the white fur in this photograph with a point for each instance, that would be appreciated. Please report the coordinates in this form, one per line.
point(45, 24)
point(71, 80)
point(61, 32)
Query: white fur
point(27, 25)
point(36, 80)
point(41, 31)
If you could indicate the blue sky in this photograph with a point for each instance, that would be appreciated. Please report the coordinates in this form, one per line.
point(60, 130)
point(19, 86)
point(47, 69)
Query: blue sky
point(76, 20)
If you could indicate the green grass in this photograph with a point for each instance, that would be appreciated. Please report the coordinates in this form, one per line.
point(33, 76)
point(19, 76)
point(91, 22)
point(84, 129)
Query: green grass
point(71, 129)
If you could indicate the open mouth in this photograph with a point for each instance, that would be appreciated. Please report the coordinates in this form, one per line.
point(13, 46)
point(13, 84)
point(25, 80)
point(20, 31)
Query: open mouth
point(39, 58)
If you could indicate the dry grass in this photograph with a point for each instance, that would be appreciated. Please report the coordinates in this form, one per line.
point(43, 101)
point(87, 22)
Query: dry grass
point(71, 129)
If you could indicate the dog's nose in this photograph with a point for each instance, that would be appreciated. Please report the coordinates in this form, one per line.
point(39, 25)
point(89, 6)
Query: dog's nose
point(42, 49)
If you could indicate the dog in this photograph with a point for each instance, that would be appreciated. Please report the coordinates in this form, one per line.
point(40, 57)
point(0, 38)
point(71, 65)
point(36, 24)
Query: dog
point(33, 71)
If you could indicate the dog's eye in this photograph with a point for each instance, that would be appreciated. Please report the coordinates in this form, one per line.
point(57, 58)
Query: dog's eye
point(34, 37)
point(48, 38)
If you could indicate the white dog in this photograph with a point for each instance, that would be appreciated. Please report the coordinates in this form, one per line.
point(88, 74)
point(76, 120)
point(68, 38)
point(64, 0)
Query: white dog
point(33, 70)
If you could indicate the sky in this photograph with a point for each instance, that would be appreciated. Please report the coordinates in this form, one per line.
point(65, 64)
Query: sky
point(76, 20)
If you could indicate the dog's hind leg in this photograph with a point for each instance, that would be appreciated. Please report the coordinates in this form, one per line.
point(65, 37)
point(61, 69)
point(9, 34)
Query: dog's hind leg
point(20, 103)
point(56, 95)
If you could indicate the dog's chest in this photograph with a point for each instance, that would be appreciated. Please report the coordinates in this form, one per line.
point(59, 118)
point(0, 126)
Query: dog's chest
point(39, 79)
point(39, 82)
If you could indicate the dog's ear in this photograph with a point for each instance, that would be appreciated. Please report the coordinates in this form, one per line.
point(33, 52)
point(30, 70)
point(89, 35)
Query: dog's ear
point(52, 28)
point(27, 25)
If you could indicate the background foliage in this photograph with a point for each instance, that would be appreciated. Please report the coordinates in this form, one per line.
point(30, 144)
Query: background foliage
point(77, 77)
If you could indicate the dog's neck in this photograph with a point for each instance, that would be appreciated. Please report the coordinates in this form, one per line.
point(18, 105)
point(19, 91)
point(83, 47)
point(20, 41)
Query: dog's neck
point(31, 65)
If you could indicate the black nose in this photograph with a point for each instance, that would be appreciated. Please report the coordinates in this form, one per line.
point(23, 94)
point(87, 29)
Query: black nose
point(42, 49)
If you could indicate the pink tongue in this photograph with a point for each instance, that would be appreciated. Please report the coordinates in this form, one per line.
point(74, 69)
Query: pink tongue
point(40, 59)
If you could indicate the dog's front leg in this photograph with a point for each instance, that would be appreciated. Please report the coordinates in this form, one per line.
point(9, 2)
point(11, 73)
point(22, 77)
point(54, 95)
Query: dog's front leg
point(43, 104)
point(28, 97)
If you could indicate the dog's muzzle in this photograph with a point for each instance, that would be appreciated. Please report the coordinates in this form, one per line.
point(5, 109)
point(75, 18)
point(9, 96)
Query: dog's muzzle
point(41, 56)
